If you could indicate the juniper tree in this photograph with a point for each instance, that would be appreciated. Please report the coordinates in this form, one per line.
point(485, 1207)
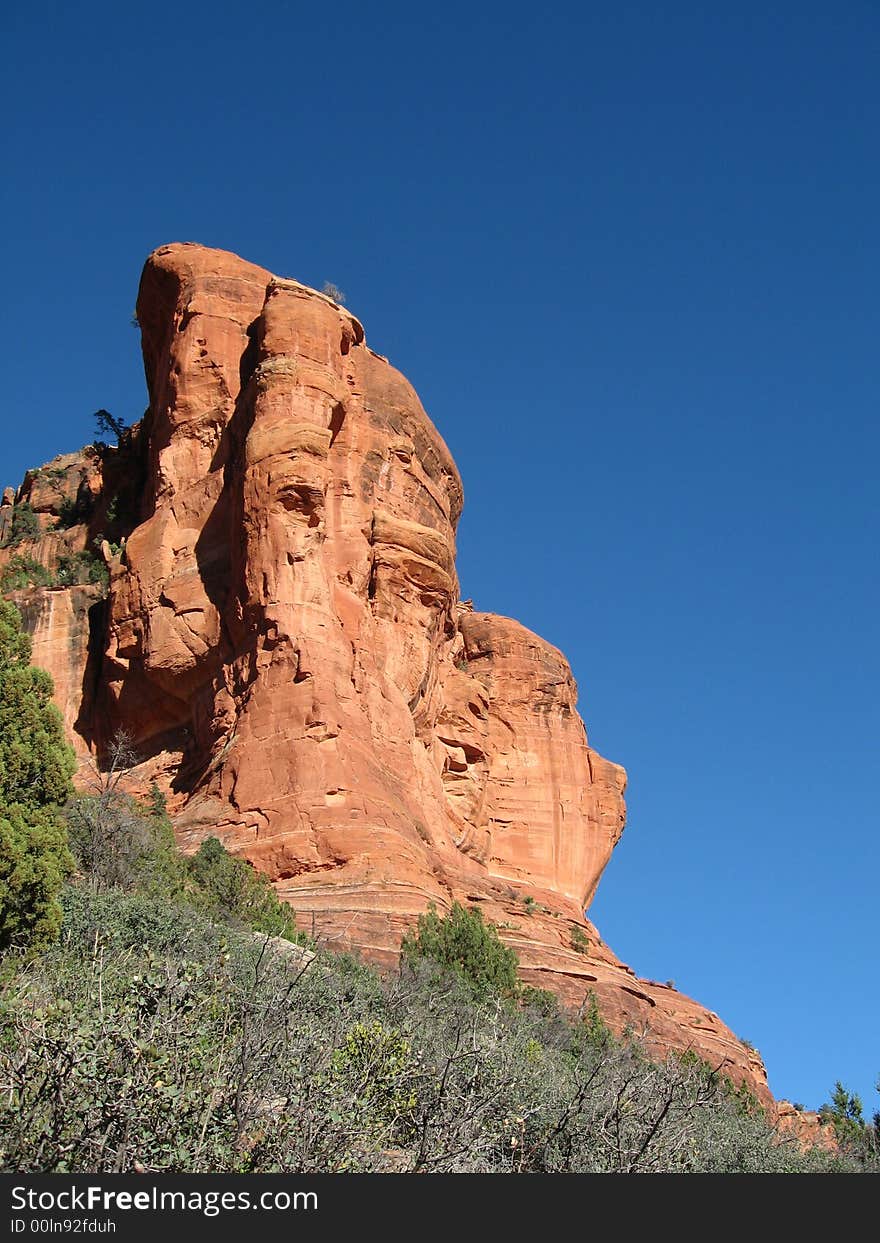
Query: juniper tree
point(36, 765)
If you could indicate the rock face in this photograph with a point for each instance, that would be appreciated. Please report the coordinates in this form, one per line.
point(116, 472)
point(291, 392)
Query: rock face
point(806, 1126)
point(283, 637)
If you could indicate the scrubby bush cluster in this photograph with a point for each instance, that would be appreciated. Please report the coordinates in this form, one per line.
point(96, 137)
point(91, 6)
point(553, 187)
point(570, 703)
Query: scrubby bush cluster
point(23, 571)
point(72, 569)
point(80, 567)
point(23, 525)
point(70, 513)
point(158, 1015)
point(121, 843)
point(152, 1038)
point(857, 1137)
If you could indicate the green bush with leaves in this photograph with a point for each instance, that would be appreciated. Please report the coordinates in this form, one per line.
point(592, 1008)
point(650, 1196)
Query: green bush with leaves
point(24, 525)
point(592, 1026)
point(21, 571)
point(77, 568)
point(36, 765)
point(464, 943)
point(34, 862)
point(374, 1063)
point(228, 889)
point(149, 1038)
point(857, 1137)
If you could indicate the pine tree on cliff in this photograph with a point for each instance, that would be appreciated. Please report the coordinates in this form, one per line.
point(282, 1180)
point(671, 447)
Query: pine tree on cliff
point(36, 765)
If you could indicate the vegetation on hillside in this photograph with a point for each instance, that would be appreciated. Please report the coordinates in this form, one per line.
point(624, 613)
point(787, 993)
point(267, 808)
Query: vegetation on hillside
point(168, 1042)
point(171, 1022)
point(120, 843)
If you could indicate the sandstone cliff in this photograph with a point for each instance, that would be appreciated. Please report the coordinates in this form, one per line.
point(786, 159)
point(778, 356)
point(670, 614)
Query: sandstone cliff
point(283, 637)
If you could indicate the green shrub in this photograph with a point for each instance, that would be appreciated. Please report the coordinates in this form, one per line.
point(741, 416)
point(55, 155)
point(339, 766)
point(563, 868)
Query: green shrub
point(148, 922)
point(81, 567)
point(462, 942)
point(25, 525)
point(34, 862)
point(121, 843)
point(36, 765)
point(857, 1137)
point(21, 571)
point(541, 1000)
point(148, 1038)
point(375, 1064)
point(69, 513)
point(579, 941)
point(593, 1027)
point(116, 844)
point(229, 890)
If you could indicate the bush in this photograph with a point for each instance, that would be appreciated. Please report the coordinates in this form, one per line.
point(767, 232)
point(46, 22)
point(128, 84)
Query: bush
point(464, 943)
point(229, 890)
point(81, 567)
point(579, 940)
point(593, 1027)
point(69, 513)
point(152, 923)
point(333, 292)
point(541, 1000)
point(115, 843)
point(25, 525)
point(36, 765)
point(34, 862)
point(148, 1038)
point(120, 843)
point(858, 1138)
point(73, 569)
point(22, 572)
point(374, 1063)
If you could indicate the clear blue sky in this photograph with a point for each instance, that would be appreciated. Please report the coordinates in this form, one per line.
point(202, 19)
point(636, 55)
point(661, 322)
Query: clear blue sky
point(628, 255)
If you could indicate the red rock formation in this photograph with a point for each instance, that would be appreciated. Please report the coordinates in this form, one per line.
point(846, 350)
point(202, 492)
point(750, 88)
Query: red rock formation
point(283, 638)
point(806, 1126)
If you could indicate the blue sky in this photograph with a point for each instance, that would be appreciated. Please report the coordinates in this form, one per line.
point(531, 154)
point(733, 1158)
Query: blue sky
point(628, 255)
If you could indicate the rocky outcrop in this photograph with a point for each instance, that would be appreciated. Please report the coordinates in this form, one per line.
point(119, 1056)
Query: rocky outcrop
point(283, 638)
point(806, 1126)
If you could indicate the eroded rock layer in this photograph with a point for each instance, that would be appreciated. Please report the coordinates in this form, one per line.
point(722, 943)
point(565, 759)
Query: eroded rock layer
point(283, 638)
